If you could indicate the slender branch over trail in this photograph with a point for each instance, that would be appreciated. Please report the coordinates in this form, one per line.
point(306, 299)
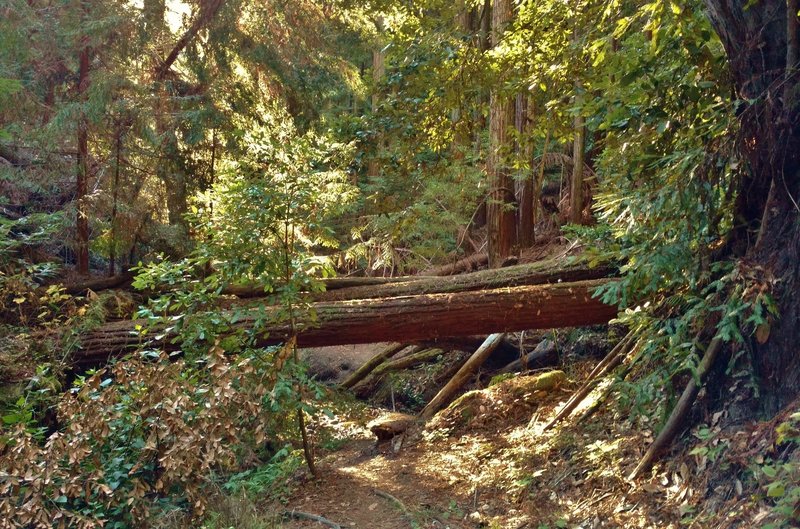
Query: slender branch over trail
point(405, 318)
point(680, 411)
point(445, 395)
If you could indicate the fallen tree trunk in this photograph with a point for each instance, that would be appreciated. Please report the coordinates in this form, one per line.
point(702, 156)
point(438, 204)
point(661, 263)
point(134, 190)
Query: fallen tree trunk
point(331, 284)
point(406, 319)
point(538, 273)
point(370, 365)
point(367, 387)
point(545, 355)
point(473, 262)
point(102, 283)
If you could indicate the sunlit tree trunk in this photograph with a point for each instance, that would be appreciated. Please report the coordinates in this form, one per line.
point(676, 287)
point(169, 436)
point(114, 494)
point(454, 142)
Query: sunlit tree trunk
point(525, 190)
point(484, 34)
point(378, 71)
point(578, 149)
point(501, 205)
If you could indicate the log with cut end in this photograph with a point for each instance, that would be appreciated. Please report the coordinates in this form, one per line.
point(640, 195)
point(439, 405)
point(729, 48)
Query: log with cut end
point(405, 318)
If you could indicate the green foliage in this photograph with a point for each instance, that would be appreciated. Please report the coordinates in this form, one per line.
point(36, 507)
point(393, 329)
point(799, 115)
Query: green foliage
point(780, 480)
point(270, 480)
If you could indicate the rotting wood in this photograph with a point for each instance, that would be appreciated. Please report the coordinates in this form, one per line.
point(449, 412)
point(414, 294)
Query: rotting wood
point(407, 318)
point(680, 411)
point(446, 394)
point(362, 372)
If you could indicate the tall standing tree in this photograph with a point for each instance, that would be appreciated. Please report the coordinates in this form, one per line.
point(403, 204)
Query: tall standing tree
point(760, 39)
point(82, 177)
point(501, 206)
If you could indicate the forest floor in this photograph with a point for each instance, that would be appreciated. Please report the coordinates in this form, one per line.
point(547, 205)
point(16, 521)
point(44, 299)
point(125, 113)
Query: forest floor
point(499, 469)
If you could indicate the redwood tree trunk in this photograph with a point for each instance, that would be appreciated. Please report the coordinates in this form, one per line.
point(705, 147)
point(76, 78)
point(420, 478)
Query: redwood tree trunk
point(82, 176)
point(755, 39)
point(523, 118)
point(501, 205)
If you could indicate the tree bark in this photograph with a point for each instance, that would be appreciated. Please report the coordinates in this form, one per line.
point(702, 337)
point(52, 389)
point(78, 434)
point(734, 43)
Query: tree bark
point(524, 115)
point(576, 184)
point(537, 273)
point(501, 204)
point(402, 319)
point(82, 177)
point(378, 70)
point(759, 41)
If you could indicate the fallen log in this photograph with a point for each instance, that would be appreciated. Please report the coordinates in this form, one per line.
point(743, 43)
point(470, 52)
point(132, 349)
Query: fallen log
point(467, 264)
point(406, 319)
point(370, 365)
point(545, 355)
point(330, 283)
point(505, 353)
point(102, 283)
point(367, 387)
point(538, 273)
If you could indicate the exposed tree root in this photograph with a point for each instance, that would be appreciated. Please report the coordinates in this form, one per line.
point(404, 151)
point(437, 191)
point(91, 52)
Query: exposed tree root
point(300, 515)
point(611, 360)
point(680, 411)
point(400, 505)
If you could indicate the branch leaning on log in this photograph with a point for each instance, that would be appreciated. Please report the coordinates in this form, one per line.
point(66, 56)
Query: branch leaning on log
point(405, 318)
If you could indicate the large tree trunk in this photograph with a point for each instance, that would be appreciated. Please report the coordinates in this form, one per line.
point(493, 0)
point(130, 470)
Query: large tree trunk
point(406, 319)
point(501, 206)
point(760, 38)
